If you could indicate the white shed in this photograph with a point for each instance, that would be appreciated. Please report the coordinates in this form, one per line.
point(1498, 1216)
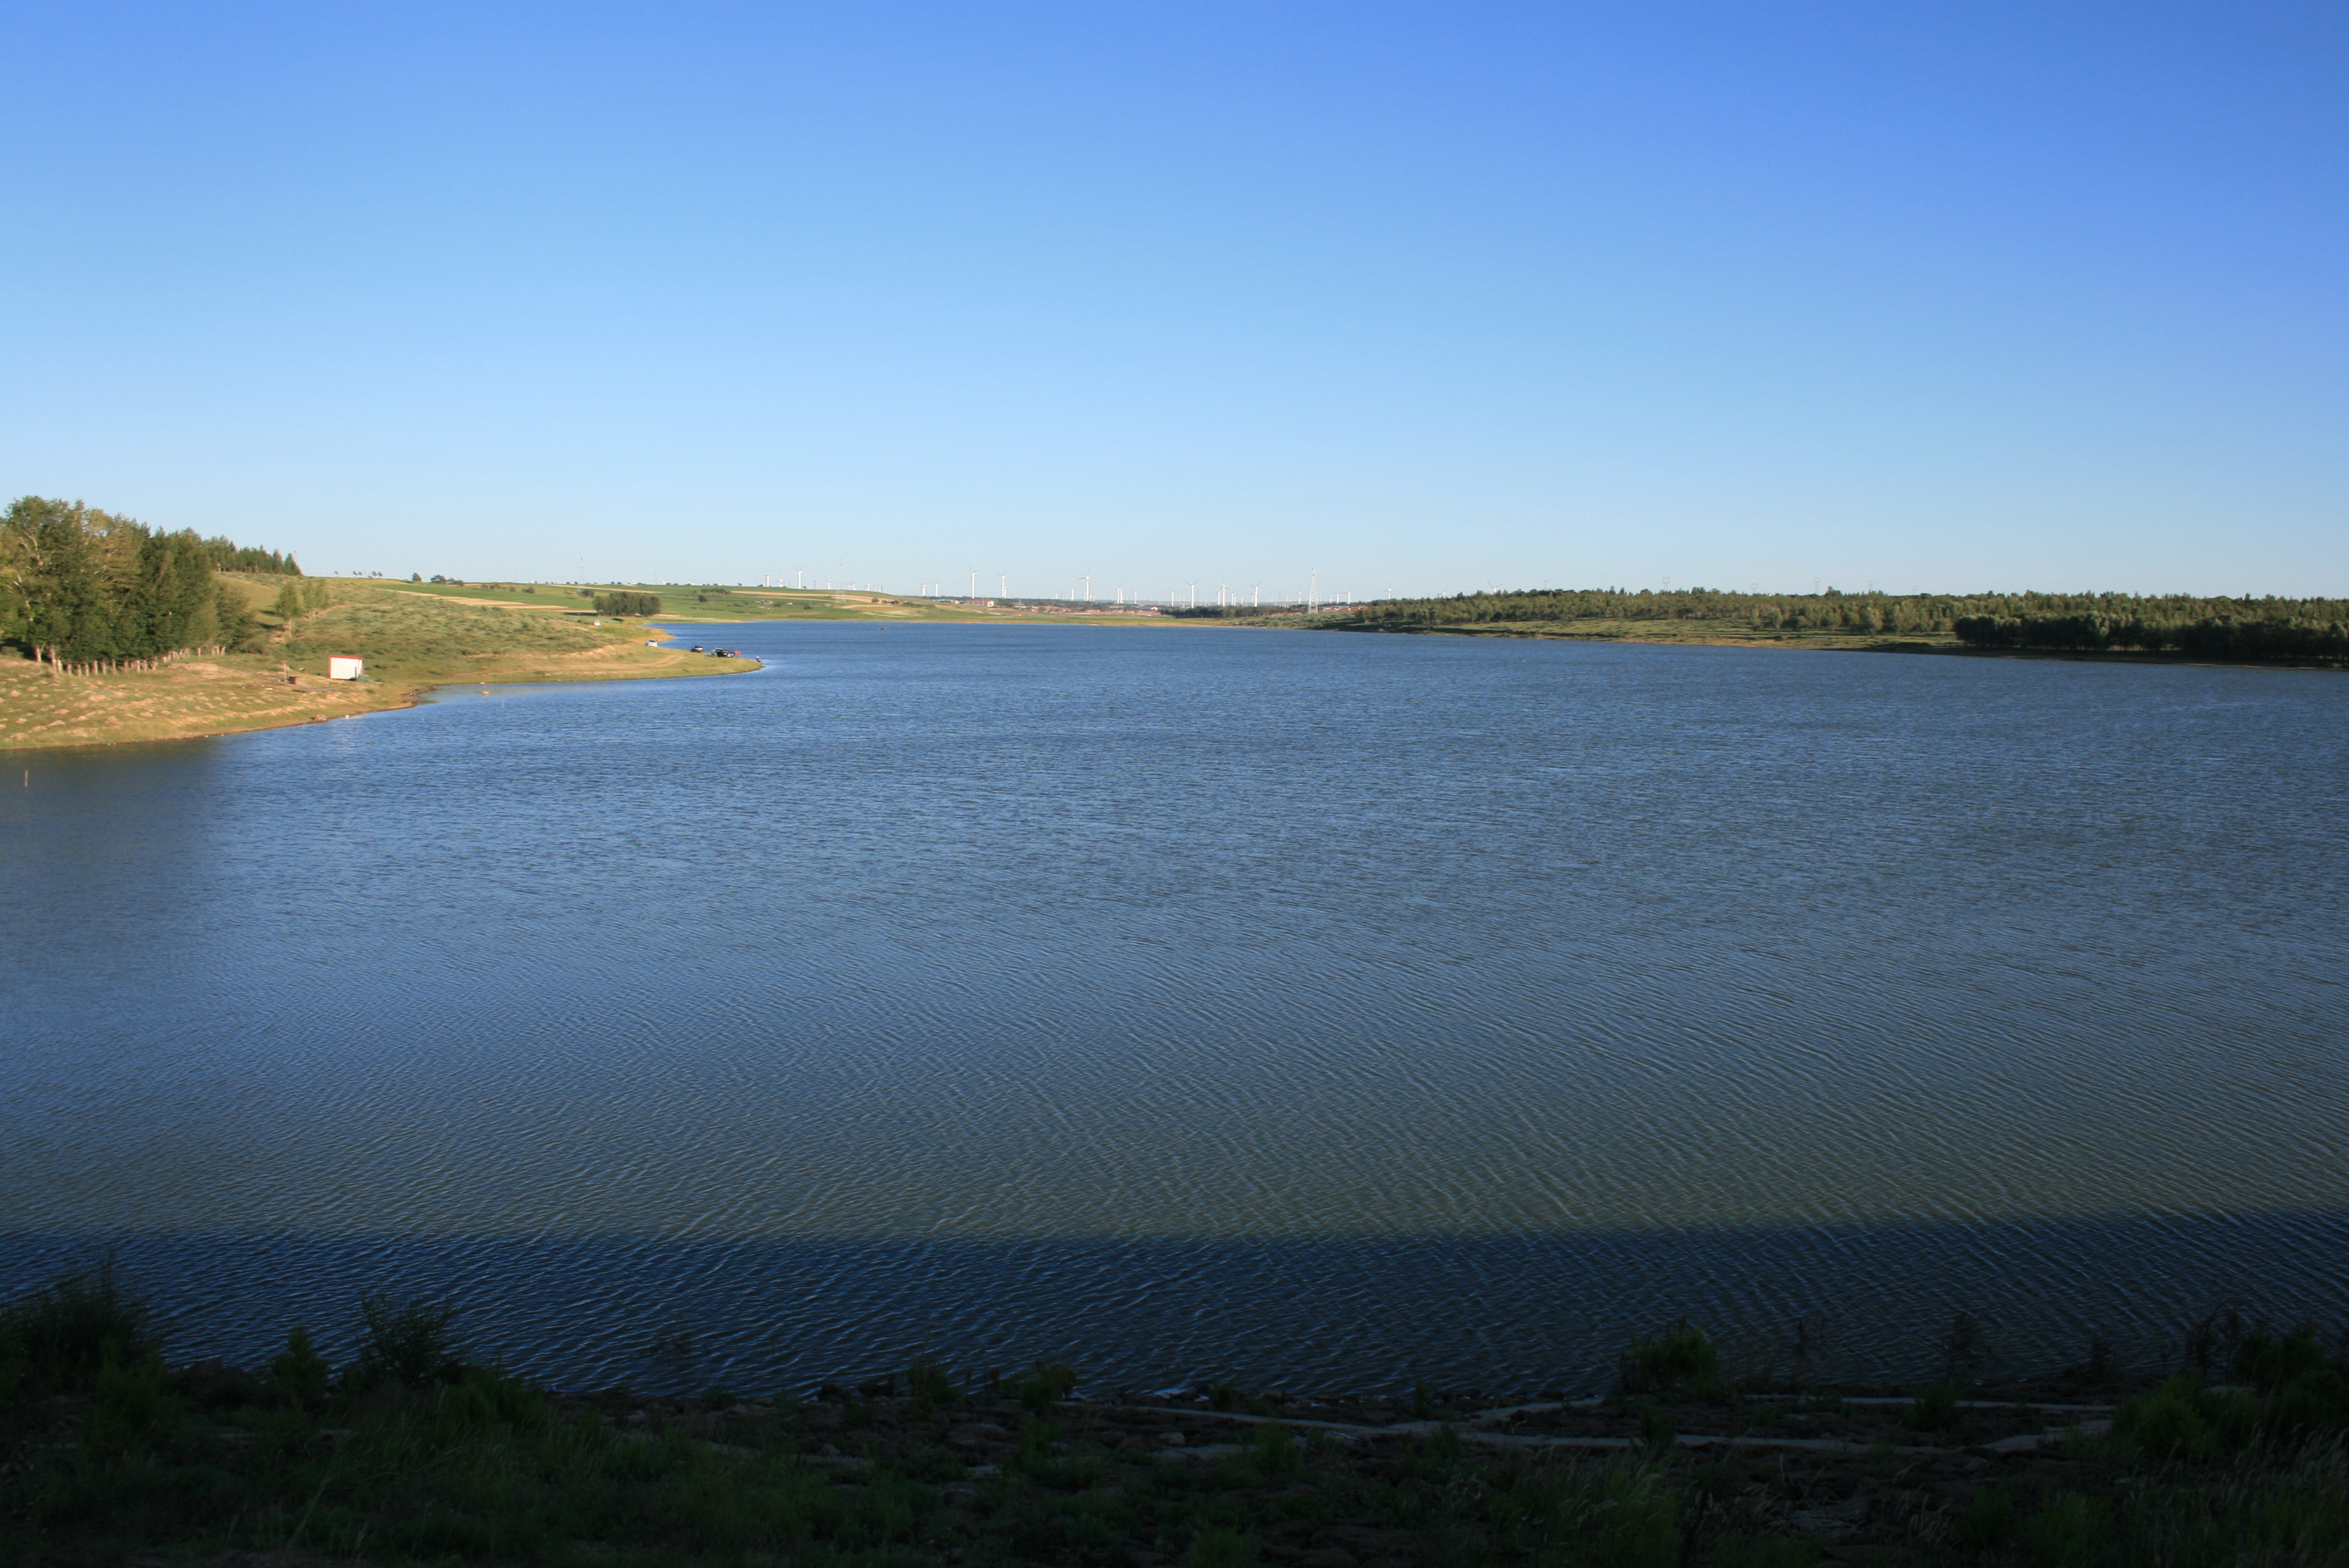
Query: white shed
point(340, 667)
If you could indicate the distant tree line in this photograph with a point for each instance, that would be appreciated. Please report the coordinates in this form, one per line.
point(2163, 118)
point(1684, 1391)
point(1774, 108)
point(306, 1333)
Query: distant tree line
point(2236, 636)
point(623, 603)
point(85, 590)
point(2249, 629)
point(225, 556)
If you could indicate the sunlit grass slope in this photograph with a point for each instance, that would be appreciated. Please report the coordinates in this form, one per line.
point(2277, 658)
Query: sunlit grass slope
point(408, 640)
point(706, 602)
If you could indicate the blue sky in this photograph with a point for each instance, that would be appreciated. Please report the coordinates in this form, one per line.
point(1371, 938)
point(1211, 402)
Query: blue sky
point(1423, 297)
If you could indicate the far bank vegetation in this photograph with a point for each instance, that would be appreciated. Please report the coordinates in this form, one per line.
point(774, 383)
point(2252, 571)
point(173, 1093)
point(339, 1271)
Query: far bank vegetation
point(2260, 630)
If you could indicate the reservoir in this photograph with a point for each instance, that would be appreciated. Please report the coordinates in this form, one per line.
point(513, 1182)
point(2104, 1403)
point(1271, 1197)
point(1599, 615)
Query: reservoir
point(1317, 1010)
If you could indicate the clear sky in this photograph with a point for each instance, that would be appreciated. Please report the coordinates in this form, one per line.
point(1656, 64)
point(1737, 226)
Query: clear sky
point(1424, 298)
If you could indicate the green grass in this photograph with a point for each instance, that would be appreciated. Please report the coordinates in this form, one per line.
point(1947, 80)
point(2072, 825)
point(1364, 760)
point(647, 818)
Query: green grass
point(408, 640)
point(402, 638)
point(411, 1456)
point(684, 603)
point(410, 637)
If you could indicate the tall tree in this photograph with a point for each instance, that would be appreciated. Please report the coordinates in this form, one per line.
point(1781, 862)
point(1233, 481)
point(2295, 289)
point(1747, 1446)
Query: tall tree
point(53, 572)
point(79, 585)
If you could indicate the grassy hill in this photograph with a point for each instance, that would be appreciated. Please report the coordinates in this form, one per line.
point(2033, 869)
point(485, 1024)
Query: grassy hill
point(409, 641)
point(710, 601)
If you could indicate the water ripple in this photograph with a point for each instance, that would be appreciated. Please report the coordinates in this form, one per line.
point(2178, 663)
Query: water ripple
point(1265, 997)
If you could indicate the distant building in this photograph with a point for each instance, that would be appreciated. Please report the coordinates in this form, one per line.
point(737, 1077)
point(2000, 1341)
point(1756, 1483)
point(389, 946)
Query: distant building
point(341, 667)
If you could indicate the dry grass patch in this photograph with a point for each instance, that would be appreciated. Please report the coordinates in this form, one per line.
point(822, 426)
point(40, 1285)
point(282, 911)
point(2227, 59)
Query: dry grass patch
point(410, 641)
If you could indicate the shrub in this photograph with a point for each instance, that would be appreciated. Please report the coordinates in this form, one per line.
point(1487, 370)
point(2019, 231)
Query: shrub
point(1045, 1383)
point(1989, 1521)
point(1274, 1452)
point(2168, 1422)
point(1219, 1547)
point(62, 1334)
point(2271, 1365)
point(300, 1372)
point(1682, 1359)
point(2182, 1419)
point(1611, 1516)
point(1936, 1410)
point(1443, 1449)
point(484, 1400)
point(1034, 1446)
point(467, 1406)
point(927, 1381)
point(410, 1344)
point(131, 1409)
point(2300, 1389)
point(2068, 1530)
point(1637, 1519)
point(2305, 1385)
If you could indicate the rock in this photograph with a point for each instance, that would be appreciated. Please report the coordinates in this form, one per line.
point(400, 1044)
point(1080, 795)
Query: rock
point(977, 1435)
point(1833, 1519)
point(1371, 1541)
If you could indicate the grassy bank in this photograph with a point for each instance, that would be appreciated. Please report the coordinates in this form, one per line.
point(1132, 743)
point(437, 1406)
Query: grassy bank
point(408, 1454)
point(410, 641)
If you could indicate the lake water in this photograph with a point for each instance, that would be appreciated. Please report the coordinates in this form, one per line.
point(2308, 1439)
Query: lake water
point(1322, 1010)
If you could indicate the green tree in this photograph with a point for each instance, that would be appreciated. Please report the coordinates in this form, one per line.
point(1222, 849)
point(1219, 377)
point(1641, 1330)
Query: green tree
point(239, 628)
point(54, 578)
point(79, 586)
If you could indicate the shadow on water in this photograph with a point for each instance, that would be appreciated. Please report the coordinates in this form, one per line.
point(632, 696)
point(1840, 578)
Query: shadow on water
point(1502, 1312)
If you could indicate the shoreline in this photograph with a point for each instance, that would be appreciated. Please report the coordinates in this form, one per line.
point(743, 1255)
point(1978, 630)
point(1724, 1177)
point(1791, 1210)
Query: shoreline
point(285, 698)
point(1690, 1457)
point(305, 698)
point(1823, 646)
